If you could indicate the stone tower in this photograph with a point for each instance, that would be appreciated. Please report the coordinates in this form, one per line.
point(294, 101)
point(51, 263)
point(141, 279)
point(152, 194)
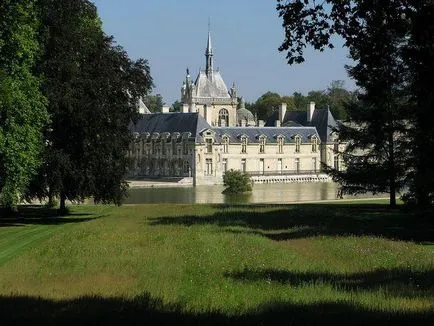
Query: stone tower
point(209, 95)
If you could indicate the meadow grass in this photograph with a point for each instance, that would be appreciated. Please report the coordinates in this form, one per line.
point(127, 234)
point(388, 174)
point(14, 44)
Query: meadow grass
point(219, 264)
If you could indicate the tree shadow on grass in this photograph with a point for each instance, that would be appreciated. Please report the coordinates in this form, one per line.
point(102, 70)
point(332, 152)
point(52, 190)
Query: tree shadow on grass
point(145, 310)
point(41, 215)
point(399, 282)
point(298, 221)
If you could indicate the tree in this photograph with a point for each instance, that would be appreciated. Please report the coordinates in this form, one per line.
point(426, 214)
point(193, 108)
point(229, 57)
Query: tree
point(177, 106)
point(236, 182)
point(93, 90)
point(388, 75)
point(154, 102)
point(419, 55)
point(335, 97)
point(300, 101)
point(23, 111)
point(269, 102)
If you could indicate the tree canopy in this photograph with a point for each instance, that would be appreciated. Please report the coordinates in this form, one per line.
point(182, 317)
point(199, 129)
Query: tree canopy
point(23, 111)
point(392, 43)
point(92, 89)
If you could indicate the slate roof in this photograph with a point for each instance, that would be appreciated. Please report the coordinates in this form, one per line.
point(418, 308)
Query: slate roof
point(214, 88)
point(322, 119)
point(171, 122)
point(196, 125)
point(324, 122)
point(271, 133)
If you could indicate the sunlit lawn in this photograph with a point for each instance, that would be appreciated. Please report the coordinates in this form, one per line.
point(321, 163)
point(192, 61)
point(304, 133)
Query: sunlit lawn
point(190, 264)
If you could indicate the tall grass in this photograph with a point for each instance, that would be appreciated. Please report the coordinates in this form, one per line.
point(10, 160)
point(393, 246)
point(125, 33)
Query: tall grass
point(225, 264)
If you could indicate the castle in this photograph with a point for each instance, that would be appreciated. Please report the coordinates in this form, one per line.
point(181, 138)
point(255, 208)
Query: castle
point(210, 136)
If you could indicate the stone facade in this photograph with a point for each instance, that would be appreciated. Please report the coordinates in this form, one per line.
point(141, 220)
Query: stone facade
point(185, 145)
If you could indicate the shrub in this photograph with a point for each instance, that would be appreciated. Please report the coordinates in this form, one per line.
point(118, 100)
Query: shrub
point(236, 182)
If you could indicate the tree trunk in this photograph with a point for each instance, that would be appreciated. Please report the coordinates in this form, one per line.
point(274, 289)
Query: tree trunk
point(392, 172)
point(62, 208)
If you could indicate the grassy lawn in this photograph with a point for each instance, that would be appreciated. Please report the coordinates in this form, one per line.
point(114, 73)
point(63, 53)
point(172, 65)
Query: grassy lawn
point(348, 263)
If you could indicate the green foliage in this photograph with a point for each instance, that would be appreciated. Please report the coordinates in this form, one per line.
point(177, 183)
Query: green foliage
point(236, 182)
point(335, 97)
point(177, 106)
point(93, 89)
point(154, 102)
point(23, 111)
point(391, 43)
point(268, 103)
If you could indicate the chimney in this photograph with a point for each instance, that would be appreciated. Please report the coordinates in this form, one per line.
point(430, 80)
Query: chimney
point(261, 123)
point(185, 108)
point(310, 110)
point(165, 109)
point(282, 112)
point(277, 123)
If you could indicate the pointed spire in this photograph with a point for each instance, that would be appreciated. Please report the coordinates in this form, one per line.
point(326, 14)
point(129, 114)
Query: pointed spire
point(209, 44)
point(209, 54)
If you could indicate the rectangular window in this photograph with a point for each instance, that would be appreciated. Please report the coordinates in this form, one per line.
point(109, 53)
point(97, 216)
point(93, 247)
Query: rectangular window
point(173, 146)
point(314, 164)
point(225, 144)
point(224, 165)
point(297, 144)
point(208, 166)
point(280, 145)
point(185, 147)
point(208, 145)
point(261, 166)
point(153, 147)
point(243, 165)
point(163, 146)
point(186, 169)
point(262, 146)
point(244, 145)
point(279, 166)
point(297, 165)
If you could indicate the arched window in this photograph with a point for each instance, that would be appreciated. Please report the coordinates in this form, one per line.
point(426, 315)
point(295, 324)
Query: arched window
point(223, 118)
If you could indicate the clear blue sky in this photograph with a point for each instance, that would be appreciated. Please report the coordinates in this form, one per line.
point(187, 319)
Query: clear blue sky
point(172, 36)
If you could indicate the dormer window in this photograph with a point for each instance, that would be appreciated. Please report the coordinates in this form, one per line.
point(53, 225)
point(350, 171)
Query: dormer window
point(280, 144)
point(225, 144)
point(314, 141)
point(297, 143)
point(243, 144)
point(262, 141)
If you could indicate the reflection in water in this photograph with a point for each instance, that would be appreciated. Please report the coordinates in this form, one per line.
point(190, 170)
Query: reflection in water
point(262, 193)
